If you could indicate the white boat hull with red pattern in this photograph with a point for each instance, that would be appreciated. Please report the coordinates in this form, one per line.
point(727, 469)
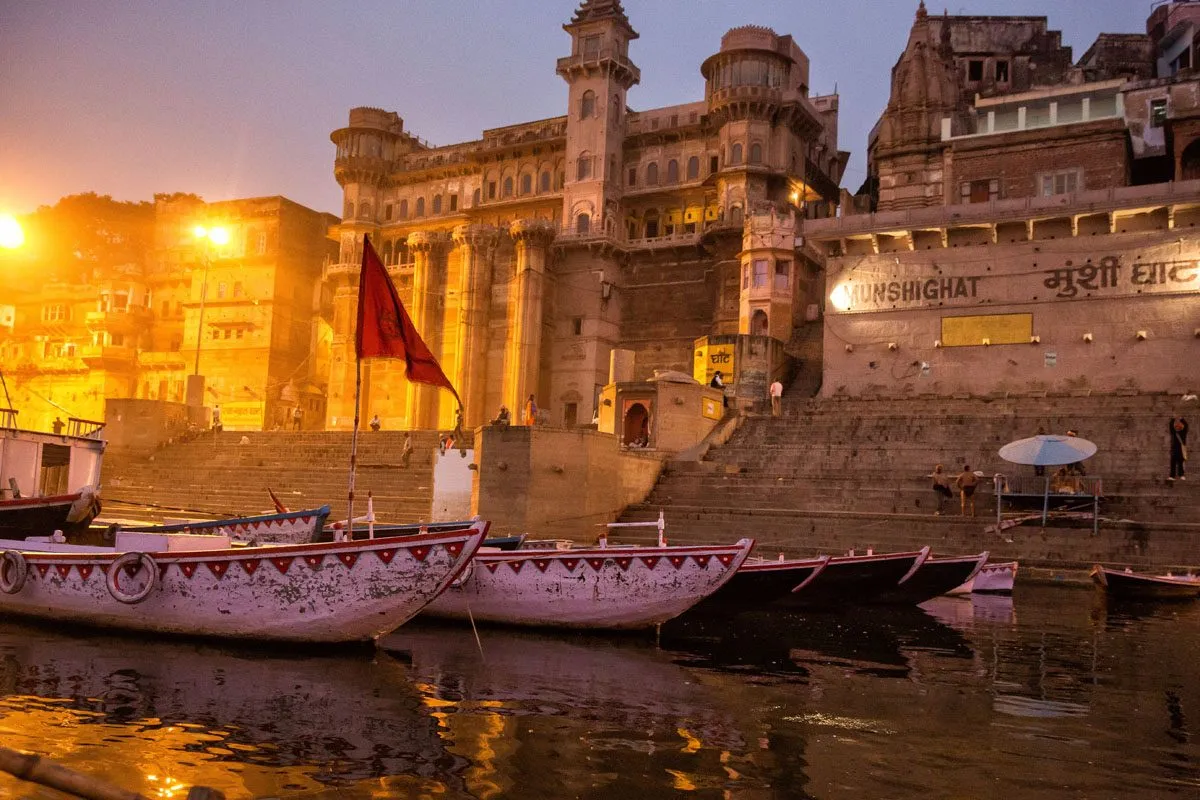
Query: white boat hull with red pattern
point(327, 592)
point(613, 588)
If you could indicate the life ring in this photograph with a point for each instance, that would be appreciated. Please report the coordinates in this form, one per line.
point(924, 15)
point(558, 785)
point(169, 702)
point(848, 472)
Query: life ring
point(464, 576)
point(124, 563)
point(13, 571)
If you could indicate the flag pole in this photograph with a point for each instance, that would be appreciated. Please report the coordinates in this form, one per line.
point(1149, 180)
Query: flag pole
point(353, 451)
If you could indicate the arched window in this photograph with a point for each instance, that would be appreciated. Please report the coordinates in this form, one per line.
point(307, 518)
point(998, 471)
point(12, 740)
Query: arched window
point(735, 155)
point(735, 215)
point(437, 204)
point(387, 252)
point(364, 210)
point(652, 174)
point(756, 153)
point(526, 184)
point(693, 168)
point(420, 207)
point(404, 209)
point(475, 198)
point(583, 223)
point(1189, 162)
point(545, 181)
point(760, 324)
point(672, 171)
point(587, 105)
point(652, 224)
point(583, 167)
point(561, 179)
point(508, 187)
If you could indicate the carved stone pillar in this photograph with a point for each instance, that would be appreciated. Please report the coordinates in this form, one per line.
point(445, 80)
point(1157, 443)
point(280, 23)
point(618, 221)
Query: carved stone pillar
point(425, 246)
point(475, 243)
point(523, 348)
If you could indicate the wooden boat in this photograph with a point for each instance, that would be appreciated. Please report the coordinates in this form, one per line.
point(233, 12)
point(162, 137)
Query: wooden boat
point(847, 580)
point(934, 577)
point(758, 583)
point(200, 586)
point(997, 578)
point(1126, 584)
point(606, 588)
point(291, 527)
point(408, 529)
point(48, 481)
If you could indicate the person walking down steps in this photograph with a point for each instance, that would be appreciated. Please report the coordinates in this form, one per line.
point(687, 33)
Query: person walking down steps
point(941, 487)
point(1178, 429)
point(776, 398)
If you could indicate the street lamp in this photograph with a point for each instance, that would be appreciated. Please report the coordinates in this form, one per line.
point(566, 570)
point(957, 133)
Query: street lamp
point(207, 237)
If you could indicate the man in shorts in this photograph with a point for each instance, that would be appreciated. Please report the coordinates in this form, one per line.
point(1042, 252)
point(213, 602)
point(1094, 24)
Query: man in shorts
point(966, 483)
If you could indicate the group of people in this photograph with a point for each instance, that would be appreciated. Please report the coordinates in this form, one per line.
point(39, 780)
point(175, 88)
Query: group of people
point(964, 484)
point(529, 414)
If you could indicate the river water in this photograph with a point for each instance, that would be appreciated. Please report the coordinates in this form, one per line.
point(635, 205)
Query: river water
point(1049, 694)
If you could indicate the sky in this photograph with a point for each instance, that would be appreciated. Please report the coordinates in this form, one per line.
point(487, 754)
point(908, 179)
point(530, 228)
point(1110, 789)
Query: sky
point(237, 98)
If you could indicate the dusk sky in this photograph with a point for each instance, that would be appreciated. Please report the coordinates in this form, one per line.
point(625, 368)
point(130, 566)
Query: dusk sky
point(237, 98)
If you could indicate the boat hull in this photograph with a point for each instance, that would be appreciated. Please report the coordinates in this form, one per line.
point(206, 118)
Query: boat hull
point(849, 580)
point(998, 578)
point(933, 578)
point(616, 588)
point(757, 585)
point(335, 592)
point(1132, 586)
point(290, 527)
point(42, 516)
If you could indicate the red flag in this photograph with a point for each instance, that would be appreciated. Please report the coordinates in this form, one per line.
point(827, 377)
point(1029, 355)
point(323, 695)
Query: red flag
point(385, 329)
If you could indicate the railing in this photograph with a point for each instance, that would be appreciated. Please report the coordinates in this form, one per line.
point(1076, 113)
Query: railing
point(8, 418)
point(84, 428)
point(1059, 487)
point(604, 54)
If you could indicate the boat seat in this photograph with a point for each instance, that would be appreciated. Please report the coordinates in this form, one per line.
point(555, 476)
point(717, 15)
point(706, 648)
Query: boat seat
point(146, 542)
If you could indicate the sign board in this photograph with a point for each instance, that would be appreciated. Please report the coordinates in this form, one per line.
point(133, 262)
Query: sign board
point(709, 358)
point(711, 409)
point(986, 329)
point(243, 415)
point(1051, 358)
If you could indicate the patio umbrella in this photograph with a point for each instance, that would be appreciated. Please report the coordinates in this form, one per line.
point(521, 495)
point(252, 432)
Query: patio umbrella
point(1048, 450)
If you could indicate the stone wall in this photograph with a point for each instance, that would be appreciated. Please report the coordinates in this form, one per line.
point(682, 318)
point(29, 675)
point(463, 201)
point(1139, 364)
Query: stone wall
point(556, 483)
point(142, 426)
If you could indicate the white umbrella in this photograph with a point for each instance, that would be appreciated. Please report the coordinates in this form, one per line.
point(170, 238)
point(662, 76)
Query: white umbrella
point(1048, 450)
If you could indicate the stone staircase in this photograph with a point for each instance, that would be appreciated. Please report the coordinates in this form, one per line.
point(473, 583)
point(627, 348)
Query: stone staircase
point(832, 474)
point(219, 475)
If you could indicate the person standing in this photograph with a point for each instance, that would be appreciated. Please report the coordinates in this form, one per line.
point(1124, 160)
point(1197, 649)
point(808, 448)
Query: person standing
point(1178, 428)
point(966, 483)
point(406, 451)
point(531, 411)
point(776, 398)
point(297, 418)
point(941, 487)
point(458, 432)
point(216, 419)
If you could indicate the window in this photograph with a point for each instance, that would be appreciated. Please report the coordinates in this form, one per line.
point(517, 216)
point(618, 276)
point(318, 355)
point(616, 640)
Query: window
point(260, 243)
point(979, 191)
point(454, 202)
point(714, 164)
point(633, 176)
point(220, 290)
point(403, 209)
point(420, 212)
point(1060, 183)
point(587, 105)
point(756, 153)
point(545, 181)
point(672, 171)
point(1158, 113)
point(590, 46)
point(782, 275)
point(652, 226)
point(527, 184)
point(735, 155)
point(228, 333)
point(577, 326)
point(570, 414)
point(475, 198)
point(216, 333)
point(364, 210)
point(437, 204)
point(1001, 71)
point(693, 168)
point(240, 332)
point(583, 223)
point(508, 188)
point(760, 273)
point(652, 174)
point(974, 71)
point(387, 212)
point(237, 289)
point(491, 190)
point(583, 167)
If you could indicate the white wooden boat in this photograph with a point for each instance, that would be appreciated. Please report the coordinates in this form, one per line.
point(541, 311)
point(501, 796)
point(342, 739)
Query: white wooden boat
point(200, 586)
point(285, 527)
point(606, 588)
point(997, 578)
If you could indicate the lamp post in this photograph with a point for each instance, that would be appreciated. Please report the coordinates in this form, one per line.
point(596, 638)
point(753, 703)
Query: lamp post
point(207, 237)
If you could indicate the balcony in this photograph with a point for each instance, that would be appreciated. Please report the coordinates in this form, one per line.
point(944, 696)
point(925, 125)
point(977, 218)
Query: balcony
point(587, 63)
point(109, 356)
point(129, 320)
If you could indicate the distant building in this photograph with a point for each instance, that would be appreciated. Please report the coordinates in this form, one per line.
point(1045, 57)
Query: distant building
point(1034, 217)
point(131, 325)
point(529, 255)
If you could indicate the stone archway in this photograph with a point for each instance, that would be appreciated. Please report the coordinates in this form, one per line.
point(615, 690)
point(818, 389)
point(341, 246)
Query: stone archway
point(636, 430)
point(759, 323)
point(1189, 162)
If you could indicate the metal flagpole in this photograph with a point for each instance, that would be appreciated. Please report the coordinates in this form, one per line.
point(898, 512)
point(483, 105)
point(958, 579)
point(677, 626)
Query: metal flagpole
point(353, 449)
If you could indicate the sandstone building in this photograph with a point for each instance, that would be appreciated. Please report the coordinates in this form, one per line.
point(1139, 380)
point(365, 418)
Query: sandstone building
point(526, 257)
point(133, 319)
point(1033, 224)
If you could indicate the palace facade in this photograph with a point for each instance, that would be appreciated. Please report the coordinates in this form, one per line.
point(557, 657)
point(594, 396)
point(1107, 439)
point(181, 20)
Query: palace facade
point(528, 256)
point(1029, 223)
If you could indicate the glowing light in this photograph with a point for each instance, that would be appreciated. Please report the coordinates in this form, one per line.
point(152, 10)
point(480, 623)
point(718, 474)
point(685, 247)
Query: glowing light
point(11, 235)
point(840, 297)
point(217, 235)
